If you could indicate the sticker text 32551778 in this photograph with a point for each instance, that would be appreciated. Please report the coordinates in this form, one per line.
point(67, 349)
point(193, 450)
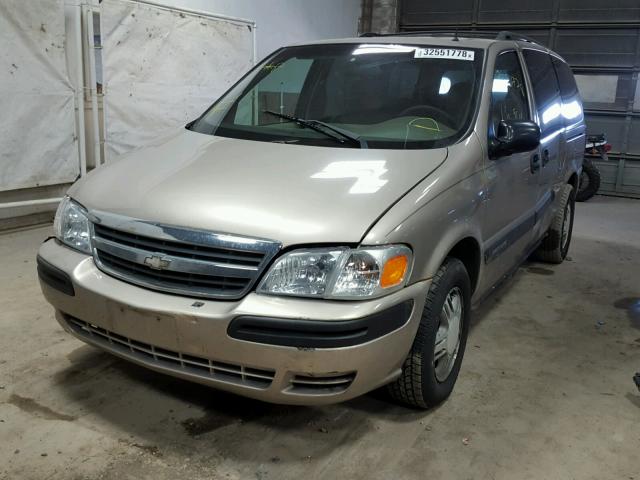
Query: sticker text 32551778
point(450, 53)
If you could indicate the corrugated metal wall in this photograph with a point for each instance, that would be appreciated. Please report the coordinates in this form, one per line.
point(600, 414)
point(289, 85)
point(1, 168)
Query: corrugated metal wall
point(599, 38)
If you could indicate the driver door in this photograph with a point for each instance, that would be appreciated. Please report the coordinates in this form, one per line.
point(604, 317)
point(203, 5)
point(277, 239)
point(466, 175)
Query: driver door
point(512, 180)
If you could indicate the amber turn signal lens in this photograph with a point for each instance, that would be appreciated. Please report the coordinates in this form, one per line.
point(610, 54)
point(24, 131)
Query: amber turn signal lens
point(393, 271)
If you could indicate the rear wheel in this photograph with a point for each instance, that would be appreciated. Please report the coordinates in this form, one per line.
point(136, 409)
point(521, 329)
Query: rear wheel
point(589, 181)
point(431, 369)
point(555, 245)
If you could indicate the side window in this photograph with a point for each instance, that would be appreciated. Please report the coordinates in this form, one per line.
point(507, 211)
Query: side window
point(571, 104)
point(545, 90)
point(508, 93)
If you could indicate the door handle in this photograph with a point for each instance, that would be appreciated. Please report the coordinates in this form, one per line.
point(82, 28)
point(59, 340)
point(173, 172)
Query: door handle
point(545, 157)
point(535, 163)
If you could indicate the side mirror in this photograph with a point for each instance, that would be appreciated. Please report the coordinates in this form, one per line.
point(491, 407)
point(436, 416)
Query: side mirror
point(514, 136)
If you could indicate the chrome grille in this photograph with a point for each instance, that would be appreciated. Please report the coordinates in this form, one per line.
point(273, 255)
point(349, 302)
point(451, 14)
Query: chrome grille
point(202, 367)
point(177, 260)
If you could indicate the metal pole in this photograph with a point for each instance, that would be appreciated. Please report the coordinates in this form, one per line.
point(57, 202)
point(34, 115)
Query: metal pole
point(82, 145)
point(255, 44)
point(93, 92)
point(29, 203)
point(200, 13)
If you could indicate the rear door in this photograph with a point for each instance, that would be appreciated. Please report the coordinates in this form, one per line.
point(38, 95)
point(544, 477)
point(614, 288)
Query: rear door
point(548, 106)
point(512, 184)
point(572, 148)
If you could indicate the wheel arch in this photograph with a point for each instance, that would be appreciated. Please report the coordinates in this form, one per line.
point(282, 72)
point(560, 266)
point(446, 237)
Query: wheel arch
point(574, 181)
point(467, 250)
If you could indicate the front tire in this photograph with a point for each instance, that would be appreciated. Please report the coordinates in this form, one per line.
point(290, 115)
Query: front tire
point(431, 369)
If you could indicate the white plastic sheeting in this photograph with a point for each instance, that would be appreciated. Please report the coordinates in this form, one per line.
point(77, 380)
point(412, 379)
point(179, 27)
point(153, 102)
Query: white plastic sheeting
point(163, 67)
point(38, 144)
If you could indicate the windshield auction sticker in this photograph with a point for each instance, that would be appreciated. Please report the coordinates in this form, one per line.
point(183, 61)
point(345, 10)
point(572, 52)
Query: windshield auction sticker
point(451, 53)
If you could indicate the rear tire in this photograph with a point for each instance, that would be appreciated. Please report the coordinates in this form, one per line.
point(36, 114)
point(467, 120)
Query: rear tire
point(555, 245)
point(589, 181)
point(431, 369)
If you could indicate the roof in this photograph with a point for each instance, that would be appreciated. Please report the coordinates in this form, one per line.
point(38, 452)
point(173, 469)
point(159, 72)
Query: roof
point(412, 40)
point(474, 39)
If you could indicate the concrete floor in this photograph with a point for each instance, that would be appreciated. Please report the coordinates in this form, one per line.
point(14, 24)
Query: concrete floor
point(545, 390)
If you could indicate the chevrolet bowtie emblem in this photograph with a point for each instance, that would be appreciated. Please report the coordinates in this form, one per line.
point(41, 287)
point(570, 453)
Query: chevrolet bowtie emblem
point(157, 262)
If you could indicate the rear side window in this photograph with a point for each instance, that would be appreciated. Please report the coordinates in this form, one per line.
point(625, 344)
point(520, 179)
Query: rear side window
point(545, 90)
point(571, 105)
point(508, 94)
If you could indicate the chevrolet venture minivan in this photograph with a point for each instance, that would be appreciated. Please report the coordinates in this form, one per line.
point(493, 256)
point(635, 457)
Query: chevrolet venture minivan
point(325, 227)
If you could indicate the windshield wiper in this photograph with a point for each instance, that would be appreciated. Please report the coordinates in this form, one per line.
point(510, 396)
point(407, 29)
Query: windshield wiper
point(320, 126)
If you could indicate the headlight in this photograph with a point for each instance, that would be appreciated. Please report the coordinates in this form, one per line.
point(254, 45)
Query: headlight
point(71, 225)
point(339, 273)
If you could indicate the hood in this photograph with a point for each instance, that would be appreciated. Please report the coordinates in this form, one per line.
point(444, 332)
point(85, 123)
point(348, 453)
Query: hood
point(289, 193)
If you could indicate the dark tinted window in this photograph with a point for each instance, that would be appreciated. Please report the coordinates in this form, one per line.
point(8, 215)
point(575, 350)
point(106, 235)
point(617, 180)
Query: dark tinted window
point(545, 90)
point(571, 104)
point(568, 87)
point(508, 92)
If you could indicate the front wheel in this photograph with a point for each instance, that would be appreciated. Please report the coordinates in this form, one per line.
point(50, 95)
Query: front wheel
point(431, 369)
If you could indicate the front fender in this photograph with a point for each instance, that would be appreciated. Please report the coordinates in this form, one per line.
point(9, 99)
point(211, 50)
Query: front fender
point(443, 209)
point(436, 228)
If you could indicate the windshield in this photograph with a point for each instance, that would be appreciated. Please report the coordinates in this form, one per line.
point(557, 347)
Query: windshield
point(352, 96)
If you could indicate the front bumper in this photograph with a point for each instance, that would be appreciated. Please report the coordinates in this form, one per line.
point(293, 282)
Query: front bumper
point(189, 338)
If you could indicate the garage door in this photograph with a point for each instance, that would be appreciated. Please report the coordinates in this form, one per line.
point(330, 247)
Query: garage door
point(599, 38)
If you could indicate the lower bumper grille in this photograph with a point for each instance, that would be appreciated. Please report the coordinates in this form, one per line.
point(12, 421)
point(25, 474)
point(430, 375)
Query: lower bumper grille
point(317, 385)
point(168, 359)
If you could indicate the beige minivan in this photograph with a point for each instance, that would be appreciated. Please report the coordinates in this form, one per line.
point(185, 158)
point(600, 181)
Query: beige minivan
point(326, 226)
